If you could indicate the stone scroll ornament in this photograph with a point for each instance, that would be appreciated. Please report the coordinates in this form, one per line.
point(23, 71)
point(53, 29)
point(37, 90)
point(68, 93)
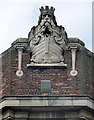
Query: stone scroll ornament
point(47, 40)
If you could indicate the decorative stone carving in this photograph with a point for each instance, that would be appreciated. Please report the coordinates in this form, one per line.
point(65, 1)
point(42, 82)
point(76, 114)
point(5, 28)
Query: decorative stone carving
point(20, 44)
point(73, 71)
point(47, 40)
point(74, 44)
point(19, 71)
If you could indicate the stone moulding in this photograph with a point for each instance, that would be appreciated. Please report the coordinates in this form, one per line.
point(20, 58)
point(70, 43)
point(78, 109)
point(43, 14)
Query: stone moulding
point(47, 101)
point(47, 65)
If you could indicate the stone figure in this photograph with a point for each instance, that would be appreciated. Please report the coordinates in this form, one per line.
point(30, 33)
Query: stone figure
point(47, 40)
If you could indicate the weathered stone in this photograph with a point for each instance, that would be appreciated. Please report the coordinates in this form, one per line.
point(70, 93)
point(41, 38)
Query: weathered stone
point(47, 41)
point(70, 97)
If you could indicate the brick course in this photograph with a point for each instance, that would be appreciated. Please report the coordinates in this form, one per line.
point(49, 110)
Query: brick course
point(62, 83)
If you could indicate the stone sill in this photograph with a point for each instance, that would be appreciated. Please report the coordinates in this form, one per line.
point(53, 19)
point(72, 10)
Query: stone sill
point(47, 65)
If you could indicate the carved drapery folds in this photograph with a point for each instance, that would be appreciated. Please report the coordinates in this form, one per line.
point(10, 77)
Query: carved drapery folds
point(47, 40)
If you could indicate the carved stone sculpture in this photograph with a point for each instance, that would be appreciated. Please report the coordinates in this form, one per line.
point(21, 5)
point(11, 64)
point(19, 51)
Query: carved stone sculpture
point(47, 40)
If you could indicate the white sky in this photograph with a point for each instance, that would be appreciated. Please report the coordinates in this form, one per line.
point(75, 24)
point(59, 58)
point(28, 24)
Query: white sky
point(17, 17)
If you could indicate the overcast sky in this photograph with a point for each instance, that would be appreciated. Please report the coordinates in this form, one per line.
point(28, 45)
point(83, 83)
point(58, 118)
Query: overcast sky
point(17, 17)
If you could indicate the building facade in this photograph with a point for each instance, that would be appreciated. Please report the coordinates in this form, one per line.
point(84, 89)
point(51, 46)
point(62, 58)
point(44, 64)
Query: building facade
point(47, 75)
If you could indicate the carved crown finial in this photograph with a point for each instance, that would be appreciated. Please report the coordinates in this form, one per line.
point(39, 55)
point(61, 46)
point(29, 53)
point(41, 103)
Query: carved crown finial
point(47, 10)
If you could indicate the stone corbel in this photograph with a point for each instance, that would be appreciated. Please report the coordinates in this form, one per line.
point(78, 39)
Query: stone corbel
point(20, 44)
point(74, 45)
point(19, 71)
point(73, 71)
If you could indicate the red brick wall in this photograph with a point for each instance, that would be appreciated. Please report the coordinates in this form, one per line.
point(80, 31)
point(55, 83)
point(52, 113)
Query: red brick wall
point(62, 83)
